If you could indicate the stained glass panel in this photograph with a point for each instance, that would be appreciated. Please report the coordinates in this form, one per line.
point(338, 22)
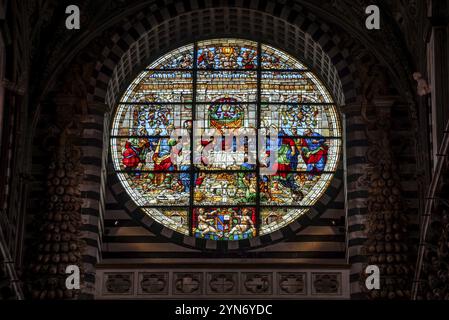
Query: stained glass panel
point(240, 85)
point(295, 119)
point(225, 188)
point(161, 86)
point(175, 218)
point(181, 58)
point(226, 113)
point(157, 189)
point(226, 135)
point(229, 145)
point(275, 218)
point(152, 119)
point(276, 59)
point(154, 153)
point(227, 54)
point(292, 87)
point(224, 223)
point(311, 152)
point(293, 189)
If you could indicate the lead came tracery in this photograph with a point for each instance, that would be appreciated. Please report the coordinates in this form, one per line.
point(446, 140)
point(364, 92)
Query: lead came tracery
point(209, 186)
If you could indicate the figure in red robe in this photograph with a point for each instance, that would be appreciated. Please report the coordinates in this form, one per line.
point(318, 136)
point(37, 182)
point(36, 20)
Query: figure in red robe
point(207, 59)
point(134, 154)
point(248, 60)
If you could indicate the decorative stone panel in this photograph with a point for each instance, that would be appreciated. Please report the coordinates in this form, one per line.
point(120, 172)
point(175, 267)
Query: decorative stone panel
point(222, 283)
point(326, 284)
point(118, 283)
point(155, 283)
point(204, 283)
point(257, 283)
point(189, 283)
point(292, 283)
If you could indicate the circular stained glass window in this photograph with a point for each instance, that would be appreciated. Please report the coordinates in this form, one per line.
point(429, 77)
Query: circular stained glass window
point(226, 139)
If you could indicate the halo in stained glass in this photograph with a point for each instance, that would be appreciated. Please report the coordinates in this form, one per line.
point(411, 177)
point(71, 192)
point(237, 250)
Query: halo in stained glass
point(216, 186)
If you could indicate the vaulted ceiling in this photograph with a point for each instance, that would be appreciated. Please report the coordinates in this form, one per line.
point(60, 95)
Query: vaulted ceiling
point(54, 47)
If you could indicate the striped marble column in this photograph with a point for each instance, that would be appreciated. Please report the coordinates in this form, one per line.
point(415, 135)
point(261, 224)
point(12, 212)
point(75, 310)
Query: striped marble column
point(356, 145)
point(94, 147)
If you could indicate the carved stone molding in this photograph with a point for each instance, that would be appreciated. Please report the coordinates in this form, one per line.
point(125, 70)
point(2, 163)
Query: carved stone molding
point(118, 283)
point(153, 283)
point(257, 283)
point(222, 283)
point(292, 283)
point(244, 283)
point(188, 283)
point(326, 283)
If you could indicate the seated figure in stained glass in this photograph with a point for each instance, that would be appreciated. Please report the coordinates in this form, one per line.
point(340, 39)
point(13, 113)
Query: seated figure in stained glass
point(314, 152)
